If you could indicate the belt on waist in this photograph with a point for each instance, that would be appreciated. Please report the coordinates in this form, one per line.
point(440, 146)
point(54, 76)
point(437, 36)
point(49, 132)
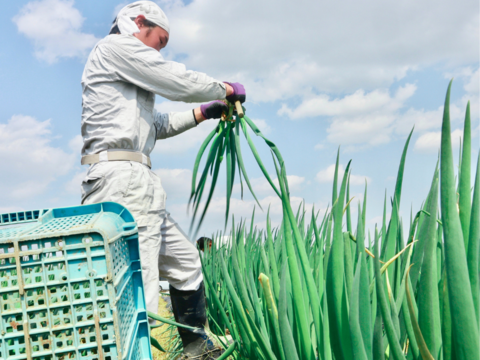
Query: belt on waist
point(116, 156)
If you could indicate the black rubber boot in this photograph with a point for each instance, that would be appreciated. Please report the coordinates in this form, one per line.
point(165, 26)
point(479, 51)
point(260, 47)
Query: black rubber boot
point(189, 309)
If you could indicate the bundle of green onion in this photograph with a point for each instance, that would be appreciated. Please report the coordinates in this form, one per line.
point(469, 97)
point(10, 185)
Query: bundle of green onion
point(224, 142)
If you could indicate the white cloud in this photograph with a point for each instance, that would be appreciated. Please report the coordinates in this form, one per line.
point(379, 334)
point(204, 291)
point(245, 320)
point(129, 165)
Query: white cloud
point(294, 182)
point(176, 182)
point(421, 119)
point(377, 220)
point(263, 126)
point(323, 73)
point(359, 103)
point(470, 76)
point(366, 119)
point(326, 176)
point(370, 119)
point(430, 141)
point(243, 209)
point(189, 139)
point(357, 119)
point(30, 158)
point(73, 186)
point(119, 7)
point(472, 88)
point(76, 144)
point(166, 106)
point(370, 130)
point(54, 26)
point(472, 85)
point(262, 187)
point(335, 47)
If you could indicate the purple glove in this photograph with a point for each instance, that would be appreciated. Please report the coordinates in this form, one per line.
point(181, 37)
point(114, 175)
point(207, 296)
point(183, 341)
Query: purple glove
point(214, 109)
point(238, 93)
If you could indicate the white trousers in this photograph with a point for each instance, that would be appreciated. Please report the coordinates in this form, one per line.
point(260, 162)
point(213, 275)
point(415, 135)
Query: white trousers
point(164, 248)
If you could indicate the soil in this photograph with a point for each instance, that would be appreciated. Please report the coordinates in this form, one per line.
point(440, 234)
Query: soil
point(164, 311)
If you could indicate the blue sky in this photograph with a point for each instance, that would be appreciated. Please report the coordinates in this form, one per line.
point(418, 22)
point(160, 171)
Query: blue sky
point(318, 75)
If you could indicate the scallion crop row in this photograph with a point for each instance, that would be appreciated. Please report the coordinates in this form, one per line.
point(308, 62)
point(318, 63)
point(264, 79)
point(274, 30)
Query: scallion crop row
point(315, 287)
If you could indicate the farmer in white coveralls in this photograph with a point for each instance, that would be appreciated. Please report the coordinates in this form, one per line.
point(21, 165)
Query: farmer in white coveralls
point(120, 127)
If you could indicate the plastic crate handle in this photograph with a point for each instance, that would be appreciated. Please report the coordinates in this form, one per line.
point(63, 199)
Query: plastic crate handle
point(21, 217)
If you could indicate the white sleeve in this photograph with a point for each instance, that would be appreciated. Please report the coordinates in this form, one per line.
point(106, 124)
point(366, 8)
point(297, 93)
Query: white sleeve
point(136, 63)
point(174, 123)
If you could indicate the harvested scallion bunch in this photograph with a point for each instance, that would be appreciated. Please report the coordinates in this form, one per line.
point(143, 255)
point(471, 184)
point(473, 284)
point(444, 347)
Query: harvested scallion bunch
point(224, 143)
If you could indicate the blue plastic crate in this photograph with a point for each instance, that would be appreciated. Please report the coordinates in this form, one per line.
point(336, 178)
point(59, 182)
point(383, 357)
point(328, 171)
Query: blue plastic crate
point(71, 285)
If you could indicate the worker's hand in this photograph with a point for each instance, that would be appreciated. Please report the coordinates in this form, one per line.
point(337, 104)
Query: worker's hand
point(213, 110)
point(238, 93)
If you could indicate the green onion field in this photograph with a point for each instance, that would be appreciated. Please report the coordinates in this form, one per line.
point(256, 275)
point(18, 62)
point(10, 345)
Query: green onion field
point(323, 286)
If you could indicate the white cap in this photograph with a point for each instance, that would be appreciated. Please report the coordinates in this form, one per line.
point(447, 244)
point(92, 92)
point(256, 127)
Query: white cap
point(149, 9)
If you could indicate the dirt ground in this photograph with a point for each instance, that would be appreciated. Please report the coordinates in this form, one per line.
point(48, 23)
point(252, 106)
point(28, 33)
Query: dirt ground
point(164, 339)
point(157, 333)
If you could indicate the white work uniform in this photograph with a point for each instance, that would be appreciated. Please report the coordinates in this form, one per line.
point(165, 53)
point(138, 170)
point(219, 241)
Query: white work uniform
point(119, 82)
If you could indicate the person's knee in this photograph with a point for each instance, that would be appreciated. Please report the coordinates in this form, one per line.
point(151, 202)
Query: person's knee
point(176, 292)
